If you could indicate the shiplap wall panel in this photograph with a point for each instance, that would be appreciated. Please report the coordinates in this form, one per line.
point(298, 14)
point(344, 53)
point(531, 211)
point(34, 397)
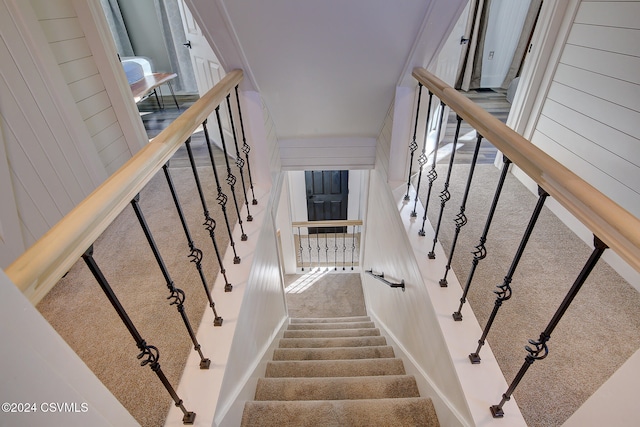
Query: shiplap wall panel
point(275, 164)
point(590, 121)
point(62, 29)
point(383, 145)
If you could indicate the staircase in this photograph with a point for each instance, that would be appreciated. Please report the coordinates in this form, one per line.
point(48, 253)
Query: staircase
point(336, 372)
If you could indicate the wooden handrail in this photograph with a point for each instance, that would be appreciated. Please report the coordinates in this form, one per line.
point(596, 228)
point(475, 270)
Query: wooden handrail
point(40, 267)
point(614, 225)
point(332, 223)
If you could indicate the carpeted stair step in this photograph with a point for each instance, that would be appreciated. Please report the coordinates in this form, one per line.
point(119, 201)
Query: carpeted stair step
point(333, 325)
point(331, 342)
point(333, 353)
point(334, 368)
point(341, 413)
point(331, 333)
point(329, 319)
point(377, 387)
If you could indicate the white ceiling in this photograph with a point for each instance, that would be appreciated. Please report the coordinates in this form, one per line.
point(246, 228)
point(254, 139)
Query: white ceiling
point(326, 68)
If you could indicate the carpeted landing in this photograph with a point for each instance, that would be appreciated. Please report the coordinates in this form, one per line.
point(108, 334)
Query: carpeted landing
point(336, 372)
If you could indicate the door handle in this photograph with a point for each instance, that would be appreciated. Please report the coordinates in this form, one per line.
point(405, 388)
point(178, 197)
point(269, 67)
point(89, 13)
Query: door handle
point(187, 44)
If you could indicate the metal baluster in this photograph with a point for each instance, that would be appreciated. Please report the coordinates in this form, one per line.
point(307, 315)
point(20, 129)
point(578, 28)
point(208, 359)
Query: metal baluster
point(444, 194)
point(221, 197)
point(541, 344)
point(353, 246)
point(344, 247)
point(239, 160)
point(335, 253)
point(150, 353)
point(326, 250)
point(209, 223)
point(309, 244)
point(481, 252)
point(414, 145)
point(177, 295)
point(461, 219)
point(231, 179)
point(300, 243)
point(246, 149)
point(504, 292)
point(432, 175)
point(318, 245)
point(196, 254)
point(422, 159)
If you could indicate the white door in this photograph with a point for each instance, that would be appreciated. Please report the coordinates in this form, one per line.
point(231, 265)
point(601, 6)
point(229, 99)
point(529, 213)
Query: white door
point(208, 72)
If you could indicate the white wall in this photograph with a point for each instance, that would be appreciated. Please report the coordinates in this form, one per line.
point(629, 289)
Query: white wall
point(506, 18)
point(38, 367)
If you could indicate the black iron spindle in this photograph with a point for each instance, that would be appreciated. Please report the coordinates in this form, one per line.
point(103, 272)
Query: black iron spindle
point(326, 250)
point(504, 291)
point(432, 175)
point(541, 344)
point(196, 254)
point(413, 146)
point(150, 353)
point(353, 246)
point(335, 252)
point(231, 179)
point(246, 149)
point(444, 194)
point(300, 243)
point(481, 251)
point(461, 219)
point(344, 247)
point(422, 159)
point(221, 197)
point(318, 245)
point(209, 223)
point(176, 295)
point(239, 160)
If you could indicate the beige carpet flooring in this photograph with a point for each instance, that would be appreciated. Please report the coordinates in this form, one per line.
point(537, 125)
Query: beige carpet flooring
point(599, 331)
point(80, 312)
point(323, 294)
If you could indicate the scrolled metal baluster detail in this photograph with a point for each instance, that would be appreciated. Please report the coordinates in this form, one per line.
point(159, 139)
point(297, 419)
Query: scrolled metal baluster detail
point(433, 175)
point(481, 252)
point(504, 291)
point(175, 294)
point(309, 246)
point(335, 253)
point(326, 250)
point(413, 146)
point(318, 245)
point(300, 243)
point(195, 255)
point(445, 195)
point(344, 247)
point(353, 246)
point(149, 353)
point(220, 197)
point(422, 159)
point(239, 160)
point(541, 344)
point(231, 179)
point(245, 149)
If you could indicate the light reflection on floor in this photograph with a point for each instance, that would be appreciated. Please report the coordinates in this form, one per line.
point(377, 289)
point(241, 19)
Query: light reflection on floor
point(306, 281)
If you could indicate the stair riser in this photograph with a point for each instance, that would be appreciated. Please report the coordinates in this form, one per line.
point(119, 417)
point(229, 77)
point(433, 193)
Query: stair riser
point(334, 353)
point(331, 319)
point(335, 368)
point(332, 333)
point(331, 342)
point(352, 325)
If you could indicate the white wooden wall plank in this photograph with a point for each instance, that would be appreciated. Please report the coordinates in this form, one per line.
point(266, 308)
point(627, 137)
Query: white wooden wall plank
point(93, 105)
point(53, 9)
point(68, 50)
point(617, 167)
point(78, 69)
point(101, 121)
point(120, 159)
point(61, 29)
point(86, 87)
point(107, 136)
point(619, 14)
point(626, 197)
point(599, 85)
point(624, 145)
point(328, 153)
point(605, 38)
point(622, 67)
point(604, 111)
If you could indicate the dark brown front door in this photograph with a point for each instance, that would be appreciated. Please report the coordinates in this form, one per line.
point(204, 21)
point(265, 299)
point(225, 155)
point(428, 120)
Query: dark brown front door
point(327, 197)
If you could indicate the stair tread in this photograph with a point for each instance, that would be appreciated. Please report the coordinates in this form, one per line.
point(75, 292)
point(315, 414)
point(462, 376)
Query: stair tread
point(334, 353)
point(414, 411)
point(332, 325)
point(336, 368)
point(332, 333)
point(329, 319)
point(337, 388)
point(332, 342)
